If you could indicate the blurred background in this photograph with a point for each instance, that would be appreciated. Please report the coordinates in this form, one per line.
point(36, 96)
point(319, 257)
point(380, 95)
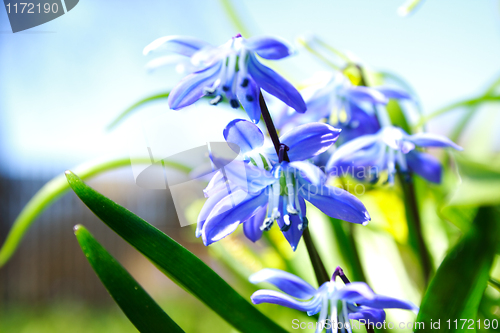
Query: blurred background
point(65, 81)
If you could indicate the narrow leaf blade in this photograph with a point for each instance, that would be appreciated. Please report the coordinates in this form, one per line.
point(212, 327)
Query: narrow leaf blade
point(175, 261)
point(457, 288)
point(134, 301)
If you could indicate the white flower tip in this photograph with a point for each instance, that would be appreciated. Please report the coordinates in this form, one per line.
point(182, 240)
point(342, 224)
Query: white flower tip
point(155, 44)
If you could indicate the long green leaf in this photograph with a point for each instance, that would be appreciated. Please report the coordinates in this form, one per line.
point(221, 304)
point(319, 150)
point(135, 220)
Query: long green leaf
point(456, 290)
point(134, 301)
point(135, 106)
point(53, 190)
point(175, 261)
point(466, 103)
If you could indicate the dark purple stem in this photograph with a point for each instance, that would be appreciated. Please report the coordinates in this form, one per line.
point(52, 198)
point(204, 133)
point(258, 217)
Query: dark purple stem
point(281, 151)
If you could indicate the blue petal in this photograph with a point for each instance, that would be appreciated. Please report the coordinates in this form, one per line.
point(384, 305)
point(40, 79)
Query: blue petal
point(425, 165)
point(432, 140)
point(274, 84)
point(385, 302)
point(244, 134)
point(251, 227)
point(393, 93)
point(247, 176)
point(293, 234)
point(360, 123)
point(275, 297)
point(207, 209)
point(368, 314)
point(349, 148)
point(184, 45)
point(335, 202)
point(192, 87)
point(309, 172)
point(284, 281)
point(309, 140)
point(269, 47)
point(360, 293)
point(232, 210)
point(216, 184)
point(249, 98)
point(364, 94)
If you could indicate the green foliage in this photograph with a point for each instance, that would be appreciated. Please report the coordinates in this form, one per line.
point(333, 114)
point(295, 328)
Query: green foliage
point(135, 106)
point(456, 290)
point(137, 305)
point(175, 261)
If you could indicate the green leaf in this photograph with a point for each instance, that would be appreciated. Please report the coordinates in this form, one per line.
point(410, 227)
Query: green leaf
point(53, 190)
point(397, 115)
point(180, 265)
point(456, 290)
point(134, 301)
point(479, 185)
point(135, 106)
point(465, 103)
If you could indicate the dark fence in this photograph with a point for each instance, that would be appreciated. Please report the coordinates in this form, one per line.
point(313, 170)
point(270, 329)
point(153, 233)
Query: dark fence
point(49, 263)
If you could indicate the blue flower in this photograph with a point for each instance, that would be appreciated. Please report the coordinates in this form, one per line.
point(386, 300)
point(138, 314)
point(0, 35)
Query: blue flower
point(388, 148)
point(344, 105)
point(262, 189)
point(231, 70)
point(332, 300)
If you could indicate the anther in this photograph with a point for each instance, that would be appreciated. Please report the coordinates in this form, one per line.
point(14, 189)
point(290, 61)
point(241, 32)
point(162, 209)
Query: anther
point(287, 224)
point(209, 90)
point(216, 100)
point(245, 82)
point(225, 88)
point(304, 224)
point(249, 98)
point(235, 104)
point(266, 226)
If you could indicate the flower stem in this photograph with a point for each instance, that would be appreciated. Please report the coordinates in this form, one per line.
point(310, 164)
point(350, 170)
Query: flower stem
point(319, 268)
point(415, 225)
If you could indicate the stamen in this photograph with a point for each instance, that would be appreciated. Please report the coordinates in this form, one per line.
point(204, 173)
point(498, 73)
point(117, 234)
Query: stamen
point(249, 98)
point(242, 67)
point(216, 100)
point(209, 90)
point(291, 194)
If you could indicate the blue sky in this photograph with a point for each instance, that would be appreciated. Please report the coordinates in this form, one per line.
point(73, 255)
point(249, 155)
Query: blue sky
point(64, 81)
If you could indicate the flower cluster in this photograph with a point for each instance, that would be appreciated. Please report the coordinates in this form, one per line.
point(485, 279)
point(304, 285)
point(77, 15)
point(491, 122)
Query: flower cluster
point(230, 70)
point(331, 300)
point(272, 183)
point(272, 189)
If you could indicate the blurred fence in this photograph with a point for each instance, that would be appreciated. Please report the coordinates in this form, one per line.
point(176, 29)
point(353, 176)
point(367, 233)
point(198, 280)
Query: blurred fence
point(49, 263)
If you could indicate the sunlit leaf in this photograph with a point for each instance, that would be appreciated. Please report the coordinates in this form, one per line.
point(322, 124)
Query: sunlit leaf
point(466, 103)
point(180, 265)
point(134, 301)
point(127, 112)
point(458, 285)
point(479, 186)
